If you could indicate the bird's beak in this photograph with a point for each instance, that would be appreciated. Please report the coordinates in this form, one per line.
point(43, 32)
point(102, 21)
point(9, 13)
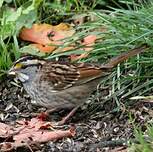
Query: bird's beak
point(11, 72)
point(18, 75)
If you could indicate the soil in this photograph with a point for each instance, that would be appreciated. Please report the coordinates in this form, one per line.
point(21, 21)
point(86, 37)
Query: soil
point(100, 127)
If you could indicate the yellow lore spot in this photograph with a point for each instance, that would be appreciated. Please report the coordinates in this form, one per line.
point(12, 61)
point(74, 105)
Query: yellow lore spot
point(18, 65)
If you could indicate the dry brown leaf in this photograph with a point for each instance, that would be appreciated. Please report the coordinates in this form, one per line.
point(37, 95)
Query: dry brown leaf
point(46, 38)
point(37, 33)
point(88, 43)
point(42, 136)
point(30, 132)
point(46, 34)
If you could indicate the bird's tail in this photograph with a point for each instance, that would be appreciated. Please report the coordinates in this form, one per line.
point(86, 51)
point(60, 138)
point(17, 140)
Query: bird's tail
point(124, 56)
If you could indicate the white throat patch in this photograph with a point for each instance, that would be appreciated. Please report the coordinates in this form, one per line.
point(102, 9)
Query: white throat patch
point(22, 77)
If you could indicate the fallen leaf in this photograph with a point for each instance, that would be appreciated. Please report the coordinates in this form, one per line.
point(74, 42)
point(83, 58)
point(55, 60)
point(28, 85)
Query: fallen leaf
point(88, 43)
point(46, 34)
point(62, 26)
point(43, 136)
point(89, 40)
point(48, 39)
point(44, 48)
point(30, 132)
point(34, 123)
point(59, 35)
point(38, 33)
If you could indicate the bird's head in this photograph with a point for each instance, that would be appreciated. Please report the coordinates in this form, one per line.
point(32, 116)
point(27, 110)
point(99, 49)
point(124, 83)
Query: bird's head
point(26, 67)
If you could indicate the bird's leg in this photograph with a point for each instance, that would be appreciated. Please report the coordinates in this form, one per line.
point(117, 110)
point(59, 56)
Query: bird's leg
point(49, 111)
point(44, 115)
point(67, 117)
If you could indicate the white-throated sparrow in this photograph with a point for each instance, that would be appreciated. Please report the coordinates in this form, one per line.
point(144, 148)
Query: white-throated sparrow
point(61, 84)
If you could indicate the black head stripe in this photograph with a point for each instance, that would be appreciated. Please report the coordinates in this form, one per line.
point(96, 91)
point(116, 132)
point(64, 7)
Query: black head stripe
point(27, 61)
point(25, 58)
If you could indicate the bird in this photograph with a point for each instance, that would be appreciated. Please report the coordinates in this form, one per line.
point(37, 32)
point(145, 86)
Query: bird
point(63, 85)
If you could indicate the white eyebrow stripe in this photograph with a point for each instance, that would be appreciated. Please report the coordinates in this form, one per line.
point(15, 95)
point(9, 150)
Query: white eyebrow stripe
point(28, 62)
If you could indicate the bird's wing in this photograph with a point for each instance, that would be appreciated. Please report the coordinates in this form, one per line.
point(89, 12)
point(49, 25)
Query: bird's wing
point(65, 75)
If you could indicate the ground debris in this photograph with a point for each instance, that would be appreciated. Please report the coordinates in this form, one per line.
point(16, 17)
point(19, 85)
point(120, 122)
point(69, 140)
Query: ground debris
point(95, 123)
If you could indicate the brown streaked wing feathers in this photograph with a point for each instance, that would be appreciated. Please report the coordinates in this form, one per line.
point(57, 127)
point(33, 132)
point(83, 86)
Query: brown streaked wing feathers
point(64, 75)
point(89, 72)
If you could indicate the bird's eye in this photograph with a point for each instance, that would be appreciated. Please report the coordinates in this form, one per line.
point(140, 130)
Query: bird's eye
point(18, 66)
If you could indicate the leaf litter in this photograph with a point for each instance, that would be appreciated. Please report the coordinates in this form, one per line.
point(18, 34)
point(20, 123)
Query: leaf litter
point(97, 126)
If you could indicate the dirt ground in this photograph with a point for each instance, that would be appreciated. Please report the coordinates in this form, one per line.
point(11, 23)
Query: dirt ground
point(99, 126)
